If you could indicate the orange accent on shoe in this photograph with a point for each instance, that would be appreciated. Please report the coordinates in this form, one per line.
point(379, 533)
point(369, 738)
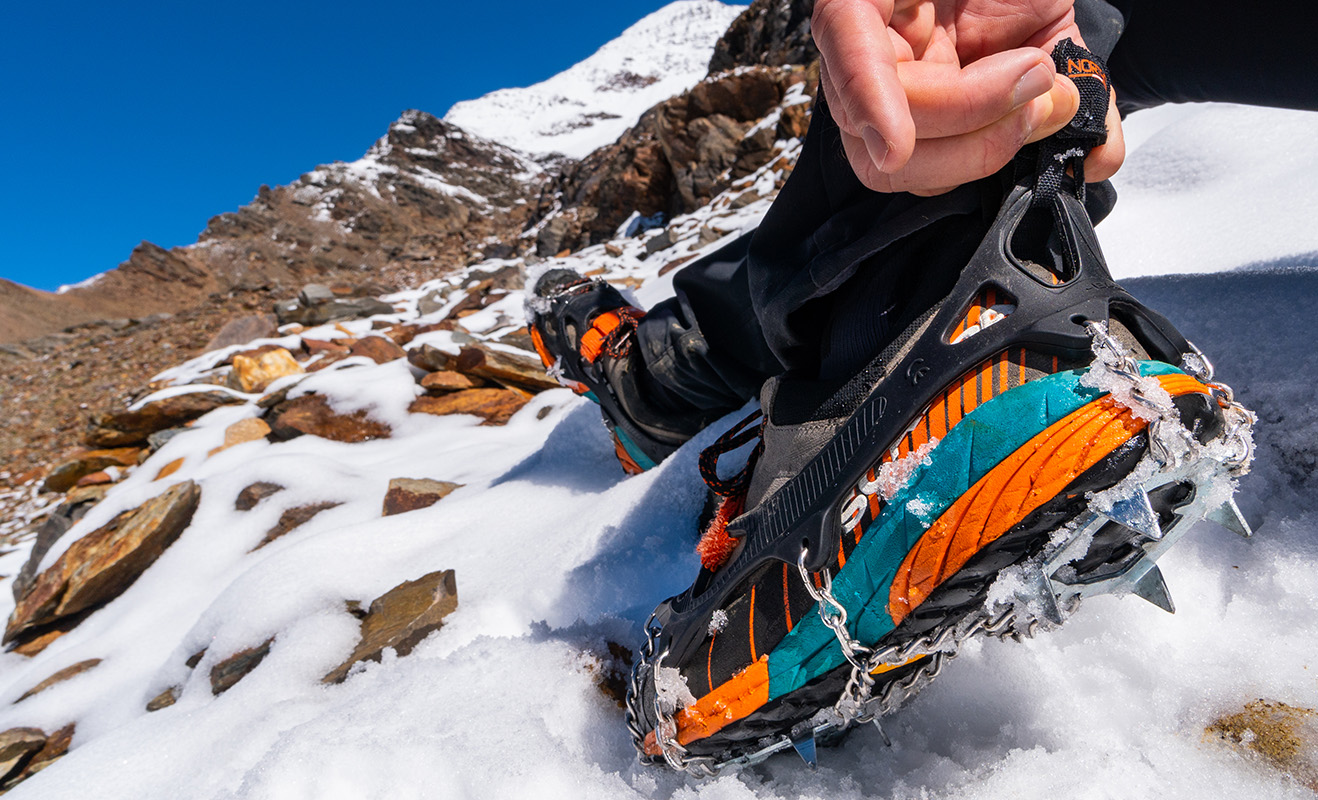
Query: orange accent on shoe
point(539, 342)
point(787, 604)
point(732, 700)
point(1038, 471)
point(629, 464)
point(751, 626)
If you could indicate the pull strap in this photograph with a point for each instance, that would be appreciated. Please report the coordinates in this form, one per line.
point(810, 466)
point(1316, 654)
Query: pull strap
point(1068, 147)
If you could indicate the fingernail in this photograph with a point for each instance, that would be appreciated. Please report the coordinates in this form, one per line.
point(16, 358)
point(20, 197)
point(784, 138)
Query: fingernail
point(1032, 84)
point(876, 145)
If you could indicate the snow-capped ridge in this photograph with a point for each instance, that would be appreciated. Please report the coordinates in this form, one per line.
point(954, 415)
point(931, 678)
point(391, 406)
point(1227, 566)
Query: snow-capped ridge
point(591, 103)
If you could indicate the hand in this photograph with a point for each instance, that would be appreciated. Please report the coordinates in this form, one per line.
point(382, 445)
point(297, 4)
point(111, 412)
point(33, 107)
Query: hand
point(931, 94)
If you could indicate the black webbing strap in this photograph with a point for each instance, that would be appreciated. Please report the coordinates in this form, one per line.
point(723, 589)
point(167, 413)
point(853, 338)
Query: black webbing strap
point(1069, 146)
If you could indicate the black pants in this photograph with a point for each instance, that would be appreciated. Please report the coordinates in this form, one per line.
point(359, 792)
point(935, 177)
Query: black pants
point(835, 269)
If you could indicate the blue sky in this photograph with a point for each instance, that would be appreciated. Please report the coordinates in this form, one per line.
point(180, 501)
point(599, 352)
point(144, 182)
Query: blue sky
point(140, 120)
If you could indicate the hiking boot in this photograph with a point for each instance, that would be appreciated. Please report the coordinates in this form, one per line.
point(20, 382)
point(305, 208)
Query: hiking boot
point(585, 332)
point(1036, 437)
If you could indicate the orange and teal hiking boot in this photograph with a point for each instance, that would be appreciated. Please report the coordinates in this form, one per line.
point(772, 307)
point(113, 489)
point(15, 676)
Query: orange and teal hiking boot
point(1036, 437)
point(585, 332)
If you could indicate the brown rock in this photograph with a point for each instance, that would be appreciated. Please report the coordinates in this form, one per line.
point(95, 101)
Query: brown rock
point(495, 406)
point(121, 428)
point(97, 478)
point(242, 330)
point(311, 414)
point(170, 468)
point(255, 493)
point(291, 519)
point(86, 494)
point(237, 666)
point(17, 746)
point(57, 744)
point(1285, 736)
point(100, 565)
point(446, 381)
point(429, 358)
point(60, 677)
point(244, 430)
point(254, 371)
point(510, 369)
point(165, 699)
point(317, 346)
point(411, 494)
point(67, 474)
point(401, 618)
point(32, 645)
point(377, 348)
point(325, 360)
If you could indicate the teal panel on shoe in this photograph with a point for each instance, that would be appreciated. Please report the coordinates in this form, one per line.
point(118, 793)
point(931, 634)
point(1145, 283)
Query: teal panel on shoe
point(642, 460)
point(969, 451)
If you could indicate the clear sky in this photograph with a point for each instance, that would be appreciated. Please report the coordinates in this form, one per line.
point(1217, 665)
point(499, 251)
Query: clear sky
point(121, 122)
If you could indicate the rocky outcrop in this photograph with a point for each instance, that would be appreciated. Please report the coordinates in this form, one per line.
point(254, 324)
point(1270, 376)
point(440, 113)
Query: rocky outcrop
point(132, 427)
point(311, 414)
point(770, 32)
point(401, 618)
point(98, 567)
point(681, 153)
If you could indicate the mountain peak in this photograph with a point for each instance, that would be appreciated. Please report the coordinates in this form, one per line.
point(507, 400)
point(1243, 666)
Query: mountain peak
point(591, 103)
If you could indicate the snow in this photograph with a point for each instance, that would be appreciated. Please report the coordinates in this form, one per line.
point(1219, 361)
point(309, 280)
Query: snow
point(590, 104)
point(82, 284)
point(557, 554)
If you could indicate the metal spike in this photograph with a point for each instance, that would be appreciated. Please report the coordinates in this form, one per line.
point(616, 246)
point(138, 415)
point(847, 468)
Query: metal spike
point(1153, 587)
point(1228, 516)
point(805, 748)
point(1136, 512)
point(882, 733)
point(1039, 589)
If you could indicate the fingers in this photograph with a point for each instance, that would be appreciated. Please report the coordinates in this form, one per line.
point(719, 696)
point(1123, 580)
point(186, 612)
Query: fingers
point(939, 164)
point(1104, 161)
point(861, 84)
point(946, 100)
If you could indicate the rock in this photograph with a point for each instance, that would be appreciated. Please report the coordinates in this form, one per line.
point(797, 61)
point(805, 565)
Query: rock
point(773, 32)
point(329, 310)
point(101, 477)
point(158, 439)
point(675, 263)
point(242, 330)
point(510, 369)
point(253, 373)
point(57, 744)
point(244, 430)
point(132, 427)
point(377, 348)
point(1284, 736)
point(86, 494)
point(401, 618)
point(446, 381)
point(709, 235)
point(254, 493)
point(75, 506)
point(228, 672)
point(744, 199)
point(169, 469)
point(291, 519)
point(412, 494)
point(314, 294)
point(165, 699)
point(431, 302)
point(32, 645)
point(429, 358)
point(66, 475)
point(316, 347)
point(613, 250)
point(660, 241)
point(495, 406)
point(311, 414)
point(17, 746)
point(60, 677)
point(99, 566)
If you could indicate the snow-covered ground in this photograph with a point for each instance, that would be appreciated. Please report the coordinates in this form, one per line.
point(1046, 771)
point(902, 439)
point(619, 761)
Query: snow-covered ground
point(593, 102)
point(557, 554)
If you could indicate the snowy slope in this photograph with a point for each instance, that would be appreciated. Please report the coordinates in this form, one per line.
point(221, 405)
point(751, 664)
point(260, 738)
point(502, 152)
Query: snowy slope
point(593, 102)
point(556, 553)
